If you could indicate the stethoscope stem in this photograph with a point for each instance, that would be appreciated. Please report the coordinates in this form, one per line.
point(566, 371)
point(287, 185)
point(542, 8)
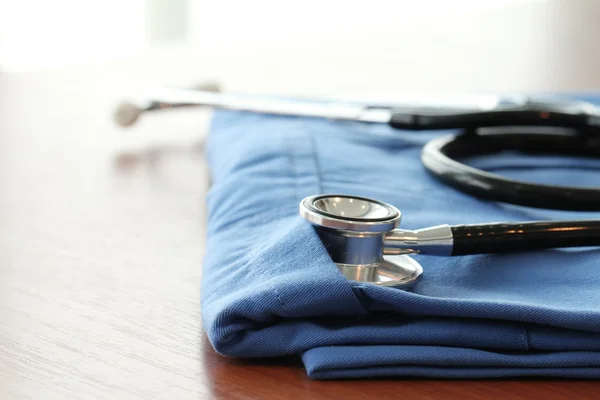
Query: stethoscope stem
point(436, 241)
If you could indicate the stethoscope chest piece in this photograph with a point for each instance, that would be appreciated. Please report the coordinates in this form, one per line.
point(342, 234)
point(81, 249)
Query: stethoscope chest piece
point(353, 230)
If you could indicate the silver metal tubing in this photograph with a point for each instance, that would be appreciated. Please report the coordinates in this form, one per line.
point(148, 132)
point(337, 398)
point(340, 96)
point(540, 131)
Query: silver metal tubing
point(435, 240)
point(209, 95)
point(128, 113)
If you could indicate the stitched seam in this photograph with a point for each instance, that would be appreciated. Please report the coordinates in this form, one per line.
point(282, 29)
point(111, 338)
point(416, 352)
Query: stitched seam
point(277, 295)
point(258, 267)
point(525, 337)
point(287, 138)
point(290, 157)
point(288, 151)
point(315, 156)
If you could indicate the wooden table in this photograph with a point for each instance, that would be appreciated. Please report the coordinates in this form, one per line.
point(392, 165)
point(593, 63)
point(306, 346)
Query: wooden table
point(101, 246)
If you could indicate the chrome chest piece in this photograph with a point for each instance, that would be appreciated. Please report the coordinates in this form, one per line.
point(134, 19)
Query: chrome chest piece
point(354, 230)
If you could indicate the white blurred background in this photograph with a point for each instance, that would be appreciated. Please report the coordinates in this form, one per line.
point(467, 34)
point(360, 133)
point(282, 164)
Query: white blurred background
point(314, 46)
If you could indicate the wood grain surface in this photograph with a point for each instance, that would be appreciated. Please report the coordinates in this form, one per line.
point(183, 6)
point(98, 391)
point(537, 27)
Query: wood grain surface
point(101, 246)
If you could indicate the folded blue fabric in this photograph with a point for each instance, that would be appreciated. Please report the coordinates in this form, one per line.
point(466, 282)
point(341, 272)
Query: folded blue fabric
point(270, 289)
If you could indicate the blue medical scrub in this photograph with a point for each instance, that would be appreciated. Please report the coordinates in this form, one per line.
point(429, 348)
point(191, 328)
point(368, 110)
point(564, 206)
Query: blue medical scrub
point(270, 289)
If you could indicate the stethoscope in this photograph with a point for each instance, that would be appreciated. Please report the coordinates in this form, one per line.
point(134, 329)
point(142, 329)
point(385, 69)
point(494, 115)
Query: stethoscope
point(361, 234)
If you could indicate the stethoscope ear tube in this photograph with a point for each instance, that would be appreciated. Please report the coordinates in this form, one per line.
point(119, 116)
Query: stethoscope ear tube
point(439, 156)
point(526, 115)
point(523, 236)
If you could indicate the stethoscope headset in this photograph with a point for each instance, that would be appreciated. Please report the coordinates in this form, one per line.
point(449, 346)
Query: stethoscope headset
point(362, 236)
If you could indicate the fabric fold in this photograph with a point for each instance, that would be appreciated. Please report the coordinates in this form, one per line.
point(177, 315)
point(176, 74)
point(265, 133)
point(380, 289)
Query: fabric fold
point(445, 362)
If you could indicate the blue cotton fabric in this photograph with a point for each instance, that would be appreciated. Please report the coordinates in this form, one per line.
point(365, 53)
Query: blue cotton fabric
point(269, 288)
